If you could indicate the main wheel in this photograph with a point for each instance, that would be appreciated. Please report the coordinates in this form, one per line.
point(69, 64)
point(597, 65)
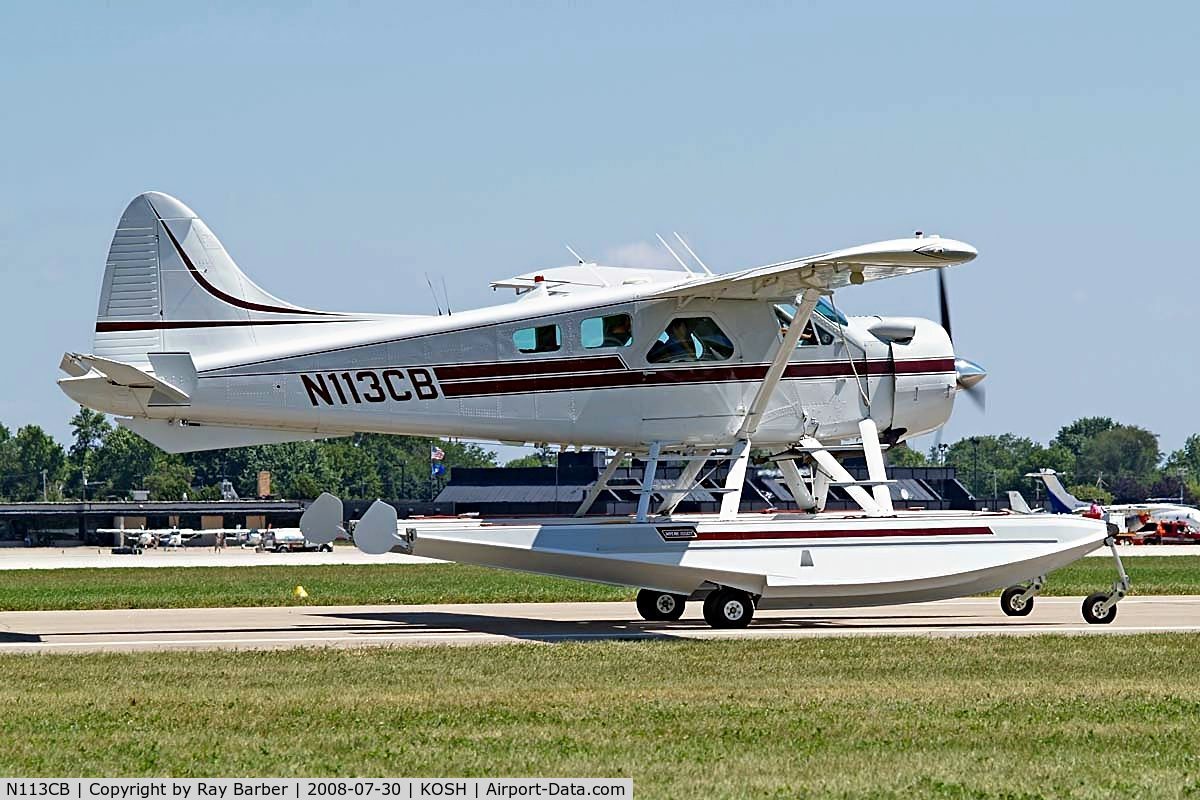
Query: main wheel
point(1093, 609)
point(728, 608)
point(1013, 604)
point(660, 606)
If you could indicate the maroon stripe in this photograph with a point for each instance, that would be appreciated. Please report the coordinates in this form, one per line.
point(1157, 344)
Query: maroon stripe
point(842, 534)
point(666, 377)
point(510, 368)
point(170, 325)
point(919, 366)
point(548, 383)
point(228, 298)
point(877, 367)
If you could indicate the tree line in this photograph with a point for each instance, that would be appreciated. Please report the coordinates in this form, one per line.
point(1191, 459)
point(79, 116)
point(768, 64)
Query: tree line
point(1099, 458)
point(106, 461)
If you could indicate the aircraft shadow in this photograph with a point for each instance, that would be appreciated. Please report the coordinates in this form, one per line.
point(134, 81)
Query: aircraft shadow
point(417, 623)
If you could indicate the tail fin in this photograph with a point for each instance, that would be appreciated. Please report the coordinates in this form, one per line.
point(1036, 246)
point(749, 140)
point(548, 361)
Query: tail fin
point(1061, 501)
point(1017, 503)
point(169, 286)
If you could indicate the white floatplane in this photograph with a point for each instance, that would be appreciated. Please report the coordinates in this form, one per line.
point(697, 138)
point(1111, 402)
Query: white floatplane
point(663, 365)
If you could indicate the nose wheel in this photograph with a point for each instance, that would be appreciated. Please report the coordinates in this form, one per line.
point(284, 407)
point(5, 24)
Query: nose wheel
point(1101, 608)
point(1017, 601)
point(658, 606)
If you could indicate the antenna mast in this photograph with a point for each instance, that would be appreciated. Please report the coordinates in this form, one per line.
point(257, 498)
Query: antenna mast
point(436, 304)
point(693, 254)
point(675, 255)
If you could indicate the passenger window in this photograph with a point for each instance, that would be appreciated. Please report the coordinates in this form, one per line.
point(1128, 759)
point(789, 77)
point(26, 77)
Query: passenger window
point(691, 339)
point(615, 330)
point(542, 339)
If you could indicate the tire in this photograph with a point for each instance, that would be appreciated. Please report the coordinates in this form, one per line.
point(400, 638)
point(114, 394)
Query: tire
point(1012, 604)
point(1091, 607)
point(658, 606)
point(325, 548)
point(728, 608)
point(283, 548)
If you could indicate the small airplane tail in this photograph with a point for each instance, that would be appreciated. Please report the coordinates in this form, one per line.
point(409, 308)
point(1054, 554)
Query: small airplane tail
point(1061, 501)
point(1017, 503)
point(170, 286)
point(172, 301)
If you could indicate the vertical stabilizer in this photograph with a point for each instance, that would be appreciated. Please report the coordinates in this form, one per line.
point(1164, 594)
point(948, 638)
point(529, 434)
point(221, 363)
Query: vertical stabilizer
point(169, 285)
point(1061, 501)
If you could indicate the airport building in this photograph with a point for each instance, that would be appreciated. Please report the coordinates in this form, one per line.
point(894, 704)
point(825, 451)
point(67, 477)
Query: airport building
point(492, 491)
point(558, 490)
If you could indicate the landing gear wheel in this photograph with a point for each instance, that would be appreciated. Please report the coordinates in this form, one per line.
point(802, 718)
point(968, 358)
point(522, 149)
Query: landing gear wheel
point(660, 606)
point(728, 608)
point(1094, 612)
point(1014, 603)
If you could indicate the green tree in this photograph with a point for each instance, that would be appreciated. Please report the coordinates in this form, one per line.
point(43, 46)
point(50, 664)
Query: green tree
point(999, 463)
point(33, 464)
point(122, 462)
point(8, 458)
point(904, 456)
point(1124, 451)
point(1186, 458)
point(170, 479)
point(1076, 435)
point(1091, 492)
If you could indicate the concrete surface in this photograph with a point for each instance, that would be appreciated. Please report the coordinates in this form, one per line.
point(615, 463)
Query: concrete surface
point(360, 626)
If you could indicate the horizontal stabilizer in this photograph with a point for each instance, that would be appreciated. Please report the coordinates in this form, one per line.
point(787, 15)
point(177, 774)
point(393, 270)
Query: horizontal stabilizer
point(127, 375)
point(191, 437)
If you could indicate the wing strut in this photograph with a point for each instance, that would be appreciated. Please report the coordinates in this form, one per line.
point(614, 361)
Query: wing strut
point(601, 483)
point(805, 303)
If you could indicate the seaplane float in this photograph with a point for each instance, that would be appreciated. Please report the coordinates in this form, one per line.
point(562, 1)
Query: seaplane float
point(663, 365)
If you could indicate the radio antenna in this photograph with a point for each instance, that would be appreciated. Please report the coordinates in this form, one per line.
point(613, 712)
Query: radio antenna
point(693, 253)
point(578, 257)
point(446, 295)
point(675, 255)
point(436, 304)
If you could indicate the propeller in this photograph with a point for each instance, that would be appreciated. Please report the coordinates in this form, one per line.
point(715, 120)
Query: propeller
point(970, 374)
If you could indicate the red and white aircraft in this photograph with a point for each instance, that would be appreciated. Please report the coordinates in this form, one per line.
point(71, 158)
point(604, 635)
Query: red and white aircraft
point(661, 364)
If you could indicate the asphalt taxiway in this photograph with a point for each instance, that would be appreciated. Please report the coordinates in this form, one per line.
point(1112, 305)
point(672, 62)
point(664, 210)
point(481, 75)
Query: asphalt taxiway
point(374, 626)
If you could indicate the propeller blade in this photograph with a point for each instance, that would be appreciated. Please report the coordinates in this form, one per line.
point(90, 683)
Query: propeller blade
point(978, 395)
point(944, 303)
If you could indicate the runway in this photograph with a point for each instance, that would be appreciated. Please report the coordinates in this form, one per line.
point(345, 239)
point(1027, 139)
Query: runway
point(390, 626)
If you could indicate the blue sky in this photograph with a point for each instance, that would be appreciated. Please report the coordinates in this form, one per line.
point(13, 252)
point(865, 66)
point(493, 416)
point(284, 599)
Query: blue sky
point(340, 151)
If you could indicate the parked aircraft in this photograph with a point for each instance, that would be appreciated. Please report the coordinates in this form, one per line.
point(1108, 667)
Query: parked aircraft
point(664, 365)
point(1129, 517)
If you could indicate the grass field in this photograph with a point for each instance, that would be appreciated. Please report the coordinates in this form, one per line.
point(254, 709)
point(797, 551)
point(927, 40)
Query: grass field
point(1063, 717)
point(183, 587)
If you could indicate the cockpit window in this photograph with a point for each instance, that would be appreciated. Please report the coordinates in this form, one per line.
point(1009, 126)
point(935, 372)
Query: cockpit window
point(691, 339)
point(813, 333)
point(542, 339)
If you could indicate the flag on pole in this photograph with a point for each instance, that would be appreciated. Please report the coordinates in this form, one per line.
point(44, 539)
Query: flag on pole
point(436, 469)
point(436, 453)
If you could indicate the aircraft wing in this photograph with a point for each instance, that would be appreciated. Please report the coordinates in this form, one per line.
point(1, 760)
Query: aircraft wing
point(853, 265)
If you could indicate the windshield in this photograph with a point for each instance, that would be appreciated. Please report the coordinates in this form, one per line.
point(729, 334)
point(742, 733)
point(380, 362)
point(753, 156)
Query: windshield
point(826, 310)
